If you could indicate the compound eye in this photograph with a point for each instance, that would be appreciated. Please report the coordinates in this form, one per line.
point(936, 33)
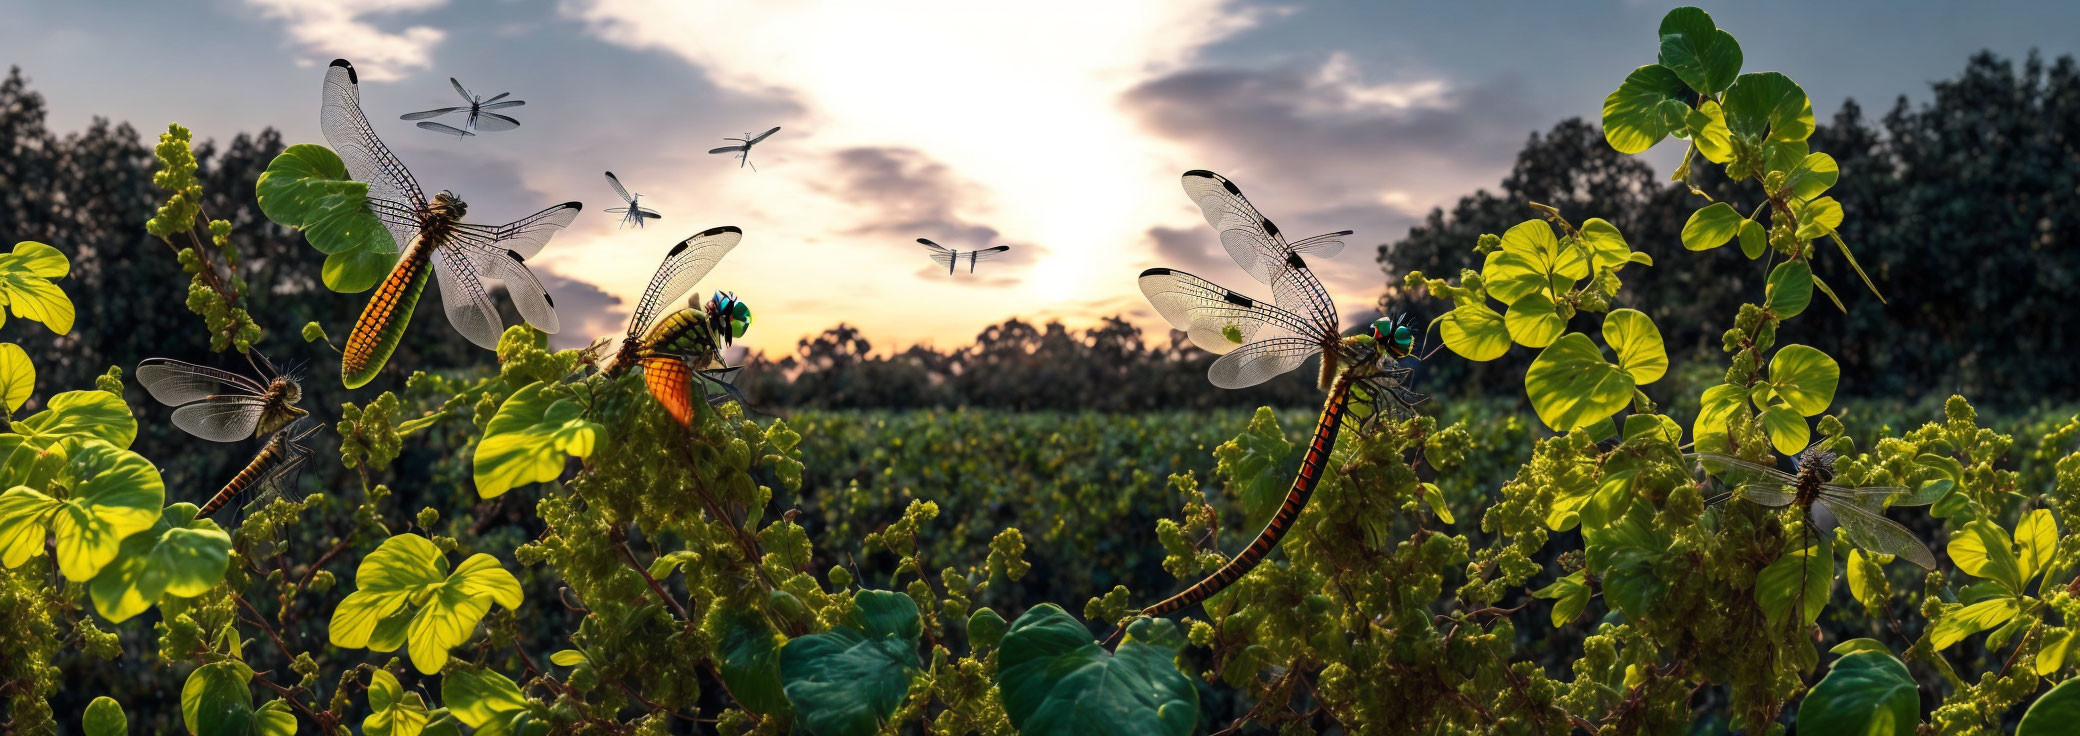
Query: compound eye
point(1402, 336)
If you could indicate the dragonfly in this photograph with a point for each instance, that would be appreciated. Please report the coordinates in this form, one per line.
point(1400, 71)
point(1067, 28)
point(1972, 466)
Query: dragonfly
point(743, 147)
point(686, 344)
point(434, 240)
point(948, 257)
point(1858, 509)
point(273, 470)
point(221, 406)
point(480, 118)
point(634, 212)
point(1256, 244)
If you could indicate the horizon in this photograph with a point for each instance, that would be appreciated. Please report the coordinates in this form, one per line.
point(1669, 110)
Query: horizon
point(1350, 131)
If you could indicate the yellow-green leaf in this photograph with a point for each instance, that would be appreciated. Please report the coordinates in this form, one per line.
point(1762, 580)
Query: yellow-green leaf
point(1571, 385)
point(17, 376)
point(2051, 655)
point(1708, 132)
point(180, 556)
point(1754, 239)
point(1475, 332)
point(1787, 430)
point(392, 711)
point(1804, 378)
point(1982, 549)
point(1607, 246)
point(1790, 289)
point(528, 441)
point(452, 613)
point(567, 658)
point(2036, 538)
point(1971, 620)
point(1570, 596)
point(1867, 583)
point(1711, 226)
point(1634, 118)
point(1813, 176)
point(1533, 322)
point(1638, 344)
point(26, 289)
point(1819, 217)
point(1719, 405)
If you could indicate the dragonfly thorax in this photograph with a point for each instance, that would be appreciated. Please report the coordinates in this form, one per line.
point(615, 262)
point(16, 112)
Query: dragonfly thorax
point(446, 204)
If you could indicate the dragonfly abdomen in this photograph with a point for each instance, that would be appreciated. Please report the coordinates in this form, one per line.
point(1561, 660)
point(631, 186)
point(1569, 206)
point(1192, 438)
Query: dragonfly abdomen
point(270, 453)
point(382, 323)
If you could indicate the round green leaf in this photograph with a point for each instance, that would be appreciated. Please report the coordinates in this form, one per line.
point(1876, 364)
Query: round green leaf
point(1818, 218)
point(104, 717)
point(1711, 227)
point(1638, 344)
point(1571, 385)
point(1056, 681)
point(986, 628)
point(1805, 378)
point(79, 414)
point(1705, 57)
point(1607, 246)
point(26, 289)
point(1982, 550)
point(2036, 540)
point(1767, 106)
point(1784, 156)
point(1754, 239)
point(392, 711)
point(1788, 431)
point(1534, 240)
point(1866, 693)
point(17, 376)
point(181, 556)
point(1475, 332)
point(1813, 175)
point(1533, 321)
point(530, 437)
point(115, 493)
point(1633, 119)
point(2054, 713)
point(1790, 289)
point(403, 567)
point(1571, 597)
point(355, 271)
point(307, 187)
point(215, 700)
point(1719, 405)
point(482, 699)
point(848, 680)
point(750, 662)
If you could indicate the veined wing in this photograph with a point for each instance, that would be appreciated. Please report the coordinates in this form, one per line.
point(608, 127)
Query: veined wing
point(1774, 495)
point(1218, 320)
point(728, 149)
point(491, 122)
point(1297, 290)
point(174, 382)
point(501, 105)
point(647, 213)
point(525, 236)
point(1261, 361)
point(1256, 244)
point(533, 301)
point(461, 91)
point(444, 129)
point(941, 255)
point(1729, 461)
point(762, 136)
point(616, 210)
point(223, 419)
point(618, 189)
point(686, 264)
point(424, 114)
point(501, 96)
point(988, 253)
point(1325, 245)
point(350, 135)
point(463, 297)
point(1875, 533)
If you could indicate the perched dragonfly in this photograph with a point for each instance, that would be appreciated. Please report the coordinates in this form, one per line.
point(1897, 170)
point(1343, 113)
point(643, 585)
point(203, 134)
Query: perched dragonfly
point(948, 257)
point(273, 470)
point(634, 212)
point(743, 147)
point(480, 117)
point(434, 239)
point(1858, 509)
point(222, 406)
point(686, 344)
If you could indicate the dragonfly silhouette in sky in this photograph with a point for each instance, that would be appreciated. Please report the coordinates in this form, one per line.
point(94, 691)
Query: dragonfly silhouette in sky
point(634, 212)
point(743, 147)
point(949, 257)
point(480, 116)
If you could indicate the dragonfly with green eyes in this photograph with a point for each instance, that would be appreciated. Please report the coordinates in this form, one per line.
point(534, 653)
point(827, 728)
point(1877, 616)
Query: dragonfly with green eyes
point(686, 344)
point(1257, 341)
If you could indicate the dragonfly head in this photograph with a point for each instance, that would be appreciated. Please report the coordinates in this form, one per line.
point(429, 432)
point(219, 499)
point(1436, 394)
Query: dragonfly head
point(446, 203)
point(731, 314)
point(1394, 337)
point(1817, 461)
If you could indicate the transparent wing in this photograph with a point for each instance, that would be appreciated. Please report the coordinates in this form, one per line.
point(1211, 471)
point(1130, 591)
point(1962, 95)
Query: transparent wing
point(762, 136)
point(501, 96)
point(1251, 239)
point(1875, 533)
point(685, 265)
point(350, 135)
point(616, 210)
point(444, 129)
point(1325, 245)
point(1260, 361)
point(1873, 497)
point(937, 248)
point(944, 258)
point(988, 253)
point(461, 91)
point(615, 182)
point(1710, 459)
point(1767, 494)
point(491, 122)
point(221, 420)
point(522, 287)
point(1298, 291)
point(647, 213)
point(462, 297)
point(501, 105)
point(400, 220)
point(526, 235)
point(424, 114)
point(727, 149)
point(1217, 319)
point(174, 382)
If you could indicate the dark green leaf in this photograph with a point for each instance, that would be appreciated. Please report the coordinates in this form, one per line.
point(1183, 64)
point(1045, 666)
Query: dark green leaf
point(1056, 681)
point(1865, 692)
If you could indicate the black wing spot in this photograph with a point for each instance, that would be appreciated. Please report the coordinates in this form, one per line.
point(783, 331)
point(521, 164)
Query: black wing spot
point(515, 255)
point(1240, 300)
point(677, 248)
point(1159, 271)
point(349, 66)
point(1270, 228)
point(1293, 261)
point(550, 299)
point(720, 230)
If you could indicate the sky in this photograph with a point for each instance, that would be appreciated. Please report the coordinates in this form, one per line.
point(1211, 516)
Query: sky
point(1057, 128)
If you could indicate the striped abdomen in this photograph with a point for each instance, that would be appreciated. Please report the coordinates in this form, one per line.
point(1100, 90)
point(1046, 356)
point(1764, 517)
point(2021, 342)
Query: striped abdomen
point(381, 326)
point(270, 455)
point(670, 381)
point(1310, 473)
point(684, 332)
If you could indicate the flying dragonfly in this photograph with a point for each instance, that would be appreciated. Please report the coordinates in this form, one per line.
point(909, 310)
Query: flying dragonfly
point(687, 343)
point(634, 212)
point(272, 471)
point(743, 147)
point(1858, 509)
point(433, 239)
point(480, 117)
point(222, 406)
point(948, 257)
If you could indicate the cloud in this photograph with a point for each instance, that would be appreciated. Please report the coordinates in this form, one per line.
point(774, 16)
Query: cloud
point(908, 195)
point(341, 29)
point(585, 312)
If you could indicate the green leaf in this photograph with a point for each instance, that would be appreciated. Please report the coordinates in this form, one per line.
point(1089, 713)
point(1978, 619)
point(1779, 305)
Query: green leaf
point(1707, 126)
point(1866, 693)
point(1784, 156)
point(1982, 550)
point(2051, 655)
point(1056, 681)
point(104, 717)
point(26, 289)
point(307, 188)
point(1711, 226)
point(1434, 496)
point(1607, 246)
point(1705, 57)
point(392, 711)
point(567, 658)
point(17, 376)
point(216, 702)
point(1768, 106)
point(482, 699)
point(1511, 276)
point(1638, 344)
point(848, 680)
point(355, 271)
point(1790, 289)
point(1972, 619)
point(75, 414)
point(749, 652)
point(180, 556)
point(2054, 713)
point(1819, 218)
point(1475, 332)
point(530, 437)
point(1719, 405)
point(1533, 321)
point(114, 493)
point(1788, 431)
point(405, 596)
point(1801, 578)
point(1754, 239)
point(1624, 554)
point(1633, 117)
point(1804, 378)
point(1571, 385)
point(1571, 597)
point(1860, 644)
point(1814, 175)
point(1867, 581)
point(2036, 538)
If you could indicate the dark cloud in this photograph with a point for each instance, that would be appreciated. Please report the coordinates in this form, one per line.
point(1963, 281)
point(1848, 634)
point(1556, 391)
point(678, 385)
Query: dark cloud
point(917, 196)
point(585, 312)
